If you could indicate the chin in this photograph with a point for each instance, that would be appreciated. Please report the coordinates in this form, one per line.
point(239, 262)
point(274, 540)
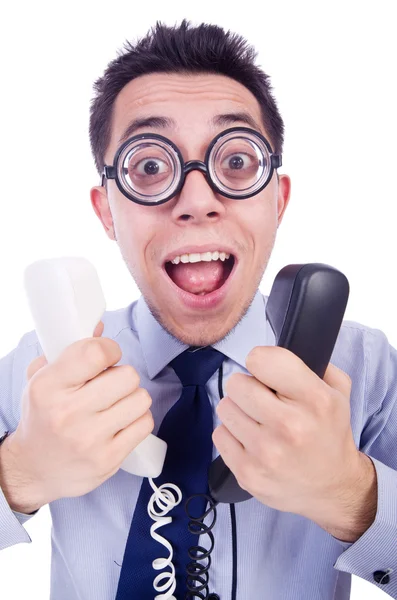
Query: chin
point(198, 336)
point(199, 331)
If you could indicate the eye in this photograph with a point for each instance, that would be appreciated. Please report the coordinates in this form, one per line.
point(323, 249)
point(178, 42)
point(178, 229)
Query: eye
point(236, 161)
point(239, 164)
point(148, 166)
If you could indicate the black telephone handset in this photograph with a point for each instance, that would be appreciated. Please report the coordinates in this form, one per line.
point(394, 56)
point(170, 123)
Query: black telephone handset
point(305, 309)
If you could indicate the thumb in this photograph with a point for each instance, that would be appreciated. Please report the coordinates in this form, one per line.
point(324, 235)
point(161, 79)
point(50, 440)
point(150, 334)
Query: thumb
point(41, 361)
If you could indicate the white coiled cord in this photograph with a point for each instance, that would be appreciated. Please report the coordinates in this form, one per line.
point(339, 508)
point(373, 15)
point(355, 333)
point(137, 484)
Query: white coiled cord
point(166, 501)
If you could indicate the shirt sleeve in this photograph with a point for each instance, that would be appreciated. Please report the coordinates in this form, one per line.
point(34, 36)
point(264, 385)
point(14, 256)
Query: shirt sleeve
point(12, 382)
point(373, 556)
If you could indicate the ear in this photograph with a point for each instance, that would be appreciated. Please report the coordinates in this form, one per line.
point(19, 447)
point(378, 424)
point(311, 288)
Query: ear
point(284, 191)
point(100, 204)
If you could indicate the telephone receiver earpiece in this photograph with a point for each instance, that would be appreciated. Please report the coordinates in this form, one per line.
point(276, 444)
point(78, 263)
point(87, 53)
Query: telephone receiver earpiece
point(305, 310)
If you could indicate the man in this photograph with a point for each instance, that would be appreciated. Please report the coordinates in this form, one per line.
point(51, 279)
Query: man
point(318, 456)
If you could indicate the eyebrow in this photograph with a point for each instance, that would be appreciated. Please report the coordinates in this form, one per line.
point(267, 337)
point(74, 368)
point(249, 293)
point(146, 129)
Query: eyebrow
point(158, 122)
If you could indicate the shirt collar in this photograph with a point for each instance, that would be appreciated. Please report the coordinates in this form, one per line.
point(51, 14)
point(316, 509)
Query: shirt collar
point(159, 347)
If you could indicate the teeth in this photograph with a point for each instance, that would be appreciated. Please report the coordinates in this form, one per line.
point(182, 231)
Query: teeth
point(196, 257)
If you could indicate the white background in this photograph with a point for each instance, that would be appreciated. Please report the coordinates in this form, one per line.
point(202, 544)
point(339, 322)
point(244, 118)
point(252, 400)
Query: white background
point(333, 69)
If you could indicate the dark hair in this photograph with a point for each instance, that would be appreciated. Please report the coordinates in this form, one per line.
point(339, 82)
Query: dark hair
point(181, 49)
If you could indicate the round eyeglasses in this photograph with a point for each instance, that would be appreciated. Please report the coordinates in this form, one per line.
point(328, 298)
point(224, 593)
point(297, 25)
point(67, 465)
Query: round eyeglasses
point(149, 169)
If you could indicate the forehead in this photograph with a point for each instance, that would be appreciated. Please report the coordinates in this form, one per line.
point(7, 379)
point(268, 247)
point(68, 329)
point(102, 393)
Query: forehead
point(190, 100)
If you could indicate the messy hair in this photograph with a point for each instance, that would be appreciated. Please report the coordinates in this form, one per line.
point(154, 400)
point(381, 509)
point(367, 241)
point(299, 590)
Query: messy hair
point(187, 50)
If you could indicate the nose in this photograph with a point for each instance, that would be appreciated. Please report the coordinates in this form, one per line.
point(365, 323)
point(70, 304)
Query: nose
point(197, 202)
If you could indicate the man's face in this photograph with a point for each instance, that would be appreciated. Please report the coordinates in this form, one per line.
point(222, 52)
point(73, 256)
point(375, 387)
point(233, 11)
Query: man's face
point(198, 219)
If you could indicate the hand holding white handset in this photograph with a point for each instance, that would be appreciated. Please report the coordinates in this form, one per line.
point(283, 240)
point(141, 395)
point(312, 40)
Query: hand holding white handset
point(67, 302)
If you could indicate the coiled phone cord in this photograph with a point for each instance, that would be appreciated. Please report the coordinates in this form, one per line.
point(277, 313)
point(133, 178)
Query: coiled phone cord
point(195, 572)
point(166, 502)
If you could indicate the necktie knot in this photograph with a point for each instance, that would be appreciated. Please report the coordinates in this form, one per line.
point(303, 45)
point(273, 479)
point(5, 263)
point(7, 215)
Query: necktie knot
point(196, 367)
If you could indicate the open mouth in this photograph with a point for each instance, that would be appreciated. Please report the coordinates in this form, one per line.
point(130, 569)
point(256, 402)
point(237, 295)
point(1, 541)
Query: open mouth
point(201, 277)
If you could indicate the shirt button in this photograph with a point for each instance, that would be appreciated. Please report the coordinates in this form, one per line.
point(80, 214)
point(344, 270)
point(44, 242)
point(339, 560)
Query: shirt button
point(381, 577)
point(213, 597)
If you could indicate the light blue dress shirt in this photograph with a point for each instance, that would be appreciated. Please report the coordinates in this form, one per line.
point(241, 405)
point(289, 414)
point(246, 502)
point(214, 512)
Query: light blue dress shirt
point(280, 556)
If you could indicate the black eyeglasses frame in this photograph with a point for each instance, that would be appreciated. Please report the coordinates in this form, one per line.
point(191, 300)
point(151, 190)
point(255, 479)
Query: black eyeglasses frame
point(110, 171)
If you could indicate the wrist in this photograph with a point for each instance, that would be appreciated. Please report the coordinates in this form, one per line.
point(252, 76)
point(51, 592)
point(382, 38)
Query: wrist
point(18, 489)
point(355, 509)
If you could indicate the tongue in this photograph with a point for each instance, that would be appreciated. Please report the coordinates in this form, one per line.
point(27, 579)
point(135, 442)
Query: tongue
point(199, 277)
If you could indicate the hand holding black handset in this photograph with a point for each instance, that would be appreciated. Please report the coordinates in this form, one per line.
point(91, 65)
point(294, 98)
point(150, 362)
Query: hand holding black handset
point(305, 309)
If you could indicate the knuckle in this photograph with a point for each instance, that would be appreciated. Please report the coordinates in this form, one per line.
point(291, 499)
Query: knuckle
point(148, 420)
point(298, 434)
point(323, 403)
point(274, 459)
point(242, 484)
point(284, 429)
point(35, 365)
point(147, 398)
point(231, 382)
point(348, 379)
point(95, 352)
point(144, 399)
point(293, 432)
point(236, 381)
point(243, 478)
point(323, 398)
point(61, 417)
point(56, 422)
point(116, 349)
point(132, 376)
point(143, 426)
point(36, 391)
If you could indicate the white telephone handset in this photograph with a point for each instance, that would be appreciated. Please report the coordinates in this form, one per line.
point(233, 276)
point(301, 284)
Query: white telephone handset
point(67, 302)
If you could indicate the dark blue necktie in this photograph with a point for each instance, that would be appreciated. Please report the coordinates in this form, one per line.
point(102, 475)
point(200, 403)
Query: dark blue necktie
point(187, 428)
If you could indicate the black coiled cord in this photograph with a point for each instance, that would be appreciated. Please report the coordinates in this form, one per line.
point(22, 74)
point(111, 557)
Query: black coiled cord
point(195, 571)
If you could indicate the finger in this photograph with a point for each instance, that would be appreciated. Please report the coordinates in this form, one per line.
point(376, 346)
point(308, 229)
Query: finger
point(338, 380)
point(41, 360)
point(241, 426)
point(98, 329)
point(229, 448)
point(35, 365)
point(281, 370)
point(253, 398)
point(82, 361)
